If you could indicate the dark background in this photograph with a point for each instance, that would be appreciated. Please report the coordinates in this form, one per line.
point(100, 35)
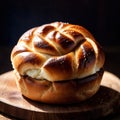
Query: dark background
point(100, 17)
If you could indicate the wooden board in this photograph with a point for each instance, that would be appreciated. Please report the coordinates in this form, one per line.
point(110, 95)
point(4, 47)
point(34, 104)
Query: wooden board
point(106, 101)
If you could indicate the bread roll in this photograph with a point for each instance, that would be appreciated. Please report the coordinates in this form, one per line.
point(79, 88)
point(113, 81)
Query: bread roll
point(58, 63)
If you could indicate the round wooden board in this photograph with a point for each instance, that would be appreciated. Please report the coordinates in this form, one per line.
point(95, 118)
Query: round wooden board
point(106, 101)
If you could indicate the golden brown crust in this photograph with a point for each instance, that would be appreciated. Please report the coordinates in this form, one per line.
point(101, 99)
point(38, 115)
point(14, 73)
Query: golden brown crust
point(62, 92)
point(53, 56)
point(49, 50)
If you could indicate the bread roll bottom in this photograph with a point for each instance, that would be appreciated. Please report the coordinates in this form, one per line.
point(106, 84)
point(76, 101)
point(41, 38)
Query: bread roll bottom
point(60, 92)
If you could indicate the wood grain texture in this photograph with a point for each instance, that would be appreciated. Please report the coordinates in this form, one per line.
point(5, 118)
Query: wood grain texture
point(106, 101)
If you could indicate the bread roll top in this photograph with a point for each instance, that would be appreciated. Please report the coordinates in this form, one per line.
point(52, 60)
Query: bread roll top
point(57, 51)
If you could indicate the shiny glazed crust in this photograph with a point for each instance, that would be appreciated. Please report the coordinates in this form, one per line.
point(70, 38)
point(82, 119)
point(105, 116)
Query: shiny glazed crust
point(57, 51)
point(62, 92)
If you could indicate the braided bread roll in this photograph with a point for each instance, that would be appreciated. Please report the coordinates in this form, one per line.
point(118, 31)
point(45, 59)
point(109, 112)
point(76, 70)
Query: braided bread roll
point(58, 63)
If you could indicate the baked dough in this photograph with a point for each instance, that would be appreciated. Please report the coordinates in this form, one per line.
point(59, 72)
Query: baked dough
point(57, 53)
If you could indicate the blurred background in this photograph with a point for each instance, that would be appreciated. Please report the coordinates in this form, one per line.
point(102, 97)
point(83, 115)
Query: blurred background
point(100, 17)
